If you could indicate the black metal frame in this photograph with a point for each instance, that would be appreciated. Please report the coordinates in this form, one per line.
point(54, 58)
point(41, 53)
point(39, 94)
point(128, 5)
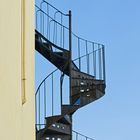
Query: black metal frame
point(85, 86)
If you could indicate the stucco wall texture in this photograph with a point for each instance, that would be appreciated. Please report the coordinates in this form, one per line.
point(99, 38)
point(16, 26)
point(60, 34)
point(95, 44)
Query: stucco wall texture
point(17, 120)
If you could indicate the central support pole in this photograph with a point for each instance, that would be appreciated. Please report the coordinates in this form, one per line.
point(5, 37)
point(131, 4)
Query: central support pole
point(70, 49)
point(70, 64)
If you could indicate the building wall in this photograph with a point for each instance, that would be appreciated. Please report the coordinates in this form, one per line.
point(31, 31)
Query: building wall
point(17, 110)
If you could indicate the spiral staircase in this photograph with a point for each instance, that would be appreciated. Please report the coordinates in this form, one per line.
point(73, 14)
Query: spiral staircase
point(84, 74)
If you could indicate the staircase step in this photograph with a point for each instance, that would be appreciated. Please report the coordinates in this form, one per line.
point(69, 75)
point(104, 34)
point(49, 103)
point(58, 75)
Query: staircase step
point(45, 134)
point(101, 87)
point(42, 39)
point(81, 75)
point(58, 124)
point(84, 97)
point(80, 79)
point(89, 97)
point(59, 118)
point(61, 137)
point(59, 59)
point(64, 54)
point(75, 99)
point(99, 93)
point(85, 88)
point(66, 120)
point(59, 128)
point(52, 119)
point(57, 137)
point(81, 89)
point(69, 109)
point(82, 82)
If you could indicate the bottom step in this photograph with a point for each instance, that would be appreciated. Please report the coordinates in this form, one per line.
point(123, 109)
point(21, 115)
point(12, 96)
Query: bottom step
point(41, 135)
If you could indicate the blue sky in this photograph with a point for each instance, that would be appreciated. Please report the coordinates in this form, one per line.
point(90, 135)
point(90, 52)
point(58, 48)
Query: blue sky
point(115, 23)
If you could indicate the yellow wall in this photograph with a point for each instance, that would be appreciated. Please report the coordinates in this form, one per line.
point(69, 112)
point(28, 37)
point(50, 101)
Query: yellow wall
point(17, 120)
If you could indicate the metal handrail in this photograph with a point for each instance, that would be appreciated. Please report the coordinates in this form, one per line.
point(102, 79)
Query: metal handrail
point(40, 10)
point(44, 80)
point(74, 34)
point(77, 133)
point(44, 1)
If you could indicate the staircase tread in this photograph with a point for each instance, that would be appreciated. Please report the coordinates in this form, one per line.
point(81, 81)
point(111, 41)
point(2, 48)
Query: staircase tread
point(81, 72)
point(49, 42)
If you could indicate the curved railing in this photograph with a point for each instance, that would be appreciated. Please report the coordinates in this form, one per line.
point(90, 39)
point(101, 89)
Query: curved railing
point(88, 56)
point(40, 100)
point(79, 136)
point(40, 104)
point(56, 30)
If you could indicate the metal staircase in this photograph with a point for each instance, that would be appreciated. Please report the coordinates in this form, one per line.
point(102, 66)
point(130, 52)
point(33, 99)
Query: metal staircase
point(82, 78)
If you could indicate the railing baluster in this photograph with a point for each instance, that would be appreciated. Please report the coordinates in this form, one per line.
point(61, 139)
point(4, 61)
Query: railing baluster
point(42, 17)
point(79, 54)
point(56, 35)
point(49, 30)
point(93, 59)
point(54, 32)
point(61, 30)
point(51, 21)
point(95, 64)
point(99, 57)
point(39, 109)
point(47, 20)
point(63, 37)
point(55, 29)
point(36, 19)
point(61, 91)
point(104, 73)
point(76, 136)
point(45, 99)
point(43, 24)
point(52, 96)
point(87, 56)
point(36, 115)
point(88, 64)
point(40, 22)
point(101, 63)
